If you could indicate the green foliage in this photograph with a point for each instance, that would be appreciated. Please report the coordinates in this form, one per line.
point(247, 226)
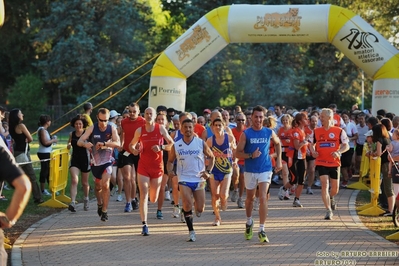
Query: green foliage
point(27, 94)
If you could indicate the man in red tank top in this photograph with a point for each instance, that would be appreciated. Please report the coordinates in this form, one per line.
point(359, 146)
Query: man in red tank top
point(238, 169)
point(329, 142)
point(147, 141)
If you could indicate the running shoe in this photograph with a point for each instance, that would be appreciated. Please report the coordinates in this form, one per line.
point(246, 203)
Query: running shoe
point(281, 193)
point(192, 236)
point(263, 237)
point(135, 204)
point(248, 231)
point(256, 204)
point(176, 211)
point(104, 216)
point(182, 218)
point(159, 215)
point(329, 215)
point(287, 195)
point(240, 203)
point(114, 189)
point(128, 207)
point(317, 183)
point(197, 213)
point(216, 222)
point(99, 209)
point(309, 191)
point(167, 195)
point(275, 180)
point(223, 206)
point(234, 196)
point(86, 204)
point(297, 203)
point(46, 193)
point(145, 231)
point(333, 204)
point(71, 207)
point(119, 198)
point(344, 184)
point(292, 190)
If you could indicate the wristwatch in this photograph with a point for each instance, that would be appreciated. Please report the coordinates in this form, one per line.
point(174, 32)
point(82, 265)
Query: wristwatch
point(250, 155)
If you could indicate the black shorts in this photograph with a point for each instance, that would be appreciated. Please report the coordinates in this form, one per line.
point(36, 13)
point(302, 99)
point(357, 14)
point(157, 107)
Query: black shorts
point(346, 158)
point(131, 159)
point(359, 149)
point(297, 171)
point(310, 158)
point(284, 157)
point(83, 164)
point(332, 172)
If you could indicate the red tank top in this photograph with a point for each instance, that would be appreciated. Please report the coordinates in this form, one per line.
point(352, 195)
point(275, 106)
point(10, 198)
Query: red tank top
point(237, 135)
point(149, 158)
point(327, 142)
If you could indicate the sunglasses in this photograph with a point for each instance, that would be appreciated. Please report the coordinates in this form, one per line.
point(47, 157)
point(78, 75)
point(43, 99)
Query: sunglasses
point(106, 120)
point(240, 120)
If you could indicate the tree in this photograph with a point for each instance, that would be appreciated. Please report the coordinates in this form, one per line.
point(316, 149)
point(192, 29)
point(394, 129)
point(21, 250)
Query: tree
point(27, 95)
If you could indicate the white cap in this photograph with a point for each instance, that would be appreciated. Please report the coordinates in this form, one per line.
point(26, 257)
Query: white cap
point(369, 133)
point(113, 114)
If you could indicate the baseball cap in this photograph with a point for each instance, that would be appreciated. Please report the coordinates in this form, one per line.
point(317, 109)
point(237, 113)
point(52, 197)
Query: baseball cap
point(207, 111)
point(113, 113)
point(369, 133)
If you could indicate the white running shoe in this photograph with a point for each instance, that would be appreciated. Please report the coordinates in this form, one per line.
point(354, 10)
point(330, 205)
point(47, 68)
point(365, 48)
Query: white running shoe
point(234, 196)
point(120, 198)
point(167, 195)
point(256, 204)
point(317, 183)
point(176, 212)
point(46, 193)
point(297, 203)
point(192, 236)
point(281, 193)
point(309, 191)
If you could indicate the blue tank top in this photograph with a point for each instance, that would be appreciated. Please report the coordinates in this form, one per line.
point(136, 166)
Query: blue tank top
point(258, 139)
point(209, 132)
point(103, 155)
point(223, 156)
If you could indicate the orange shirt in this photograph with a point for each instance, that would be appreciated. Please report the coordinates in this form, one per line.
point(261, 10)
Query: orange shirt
point(298, 134)
point(327, 142)
point(285, 137)
point(337, 120)
point(237, 135)
point(271, 151)
point(198, 129)
point(309, 132)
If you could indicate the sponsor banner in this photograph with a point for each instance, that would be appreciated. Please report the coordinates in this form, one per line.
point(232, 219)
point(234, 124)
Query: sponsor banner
point(195, 47)
point(278, 23)
point(363, 45)
point(385, 95)
point(167, 91)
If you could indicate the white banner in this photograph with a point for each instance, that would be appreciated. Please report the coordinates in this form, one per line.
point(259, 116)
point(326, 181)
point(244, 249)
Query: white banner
point(167, 91)
point(385, 95)
point(363, 45)
point(195, 47)
point(278, 23)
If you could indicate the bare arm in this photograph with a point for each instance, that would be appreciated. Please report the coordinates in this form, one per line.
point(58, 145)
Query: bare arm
point(240, 148)
point(135, 141)
point(204, 135)
point(19, 199)
point(44, 138)
point(26, 132)
point(82, 140)
point(69, 141)
point(278, 151)
point(171, 159)
point(168, 139)
point(211, 157)
point(114, 143)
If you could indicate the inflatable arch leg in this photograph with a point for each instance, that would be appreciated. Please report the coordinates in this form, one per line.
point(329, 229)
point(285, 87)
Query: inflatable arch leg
point(276, 24)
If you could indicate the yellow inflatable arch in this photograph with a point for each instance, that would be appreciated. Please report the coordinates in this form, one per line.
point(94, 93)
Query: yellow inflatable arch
point(276, 24)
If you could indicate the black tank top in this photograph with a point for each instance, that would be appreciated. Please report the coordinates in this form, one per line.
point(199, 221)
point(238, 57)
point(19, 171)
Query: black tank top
point(77, 152)
point(19, 141)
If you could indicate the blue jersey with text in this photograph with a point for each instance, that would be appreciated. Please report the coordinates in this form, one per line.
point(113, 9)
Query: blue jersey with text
point(258, 139)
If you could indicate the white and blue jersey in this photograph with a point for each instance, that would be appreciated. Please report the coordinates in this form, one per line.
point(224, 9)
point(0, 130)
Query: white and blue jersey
point(190, 160)
point(258, 139)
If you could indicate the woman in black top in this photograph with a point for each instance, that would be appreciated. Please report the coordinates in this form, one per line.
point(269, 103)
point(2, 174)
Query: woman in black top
point(80, 162)
point(381, 139)
point(22, 137)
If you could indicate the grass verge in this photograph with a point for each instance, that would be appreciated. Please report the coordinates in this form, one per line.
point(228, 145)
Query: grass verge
point(380, 225)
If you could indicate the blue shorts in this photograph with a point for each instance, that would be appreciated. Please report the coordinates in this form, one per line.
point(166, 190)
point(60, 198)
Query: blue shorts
point(220, 176)
point(100, 169)
point(242, 168)
point(194, 185)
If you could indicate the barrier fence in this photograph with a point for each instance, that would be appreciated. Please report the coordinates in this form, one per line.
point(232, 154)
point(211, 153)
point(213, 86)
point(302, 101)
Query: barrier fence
point(59, 161)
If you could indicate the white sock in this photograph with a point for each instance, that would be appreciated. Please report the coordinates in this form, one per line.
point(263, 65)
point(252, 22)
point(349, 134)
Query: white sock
point(249, 220)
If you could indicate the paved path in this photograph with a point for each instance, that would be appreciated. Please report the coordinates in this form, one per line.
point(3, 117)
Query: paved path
point(298, 236)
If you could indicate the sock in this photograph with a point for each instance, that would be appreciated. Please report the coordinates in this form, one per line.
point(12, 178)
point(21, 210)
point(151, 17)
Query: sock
point(86, 198)
point(177, 205)
point(144, 223)
point(249, 220)
point(261, 227)
point(296, 199)
point(188, 216)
